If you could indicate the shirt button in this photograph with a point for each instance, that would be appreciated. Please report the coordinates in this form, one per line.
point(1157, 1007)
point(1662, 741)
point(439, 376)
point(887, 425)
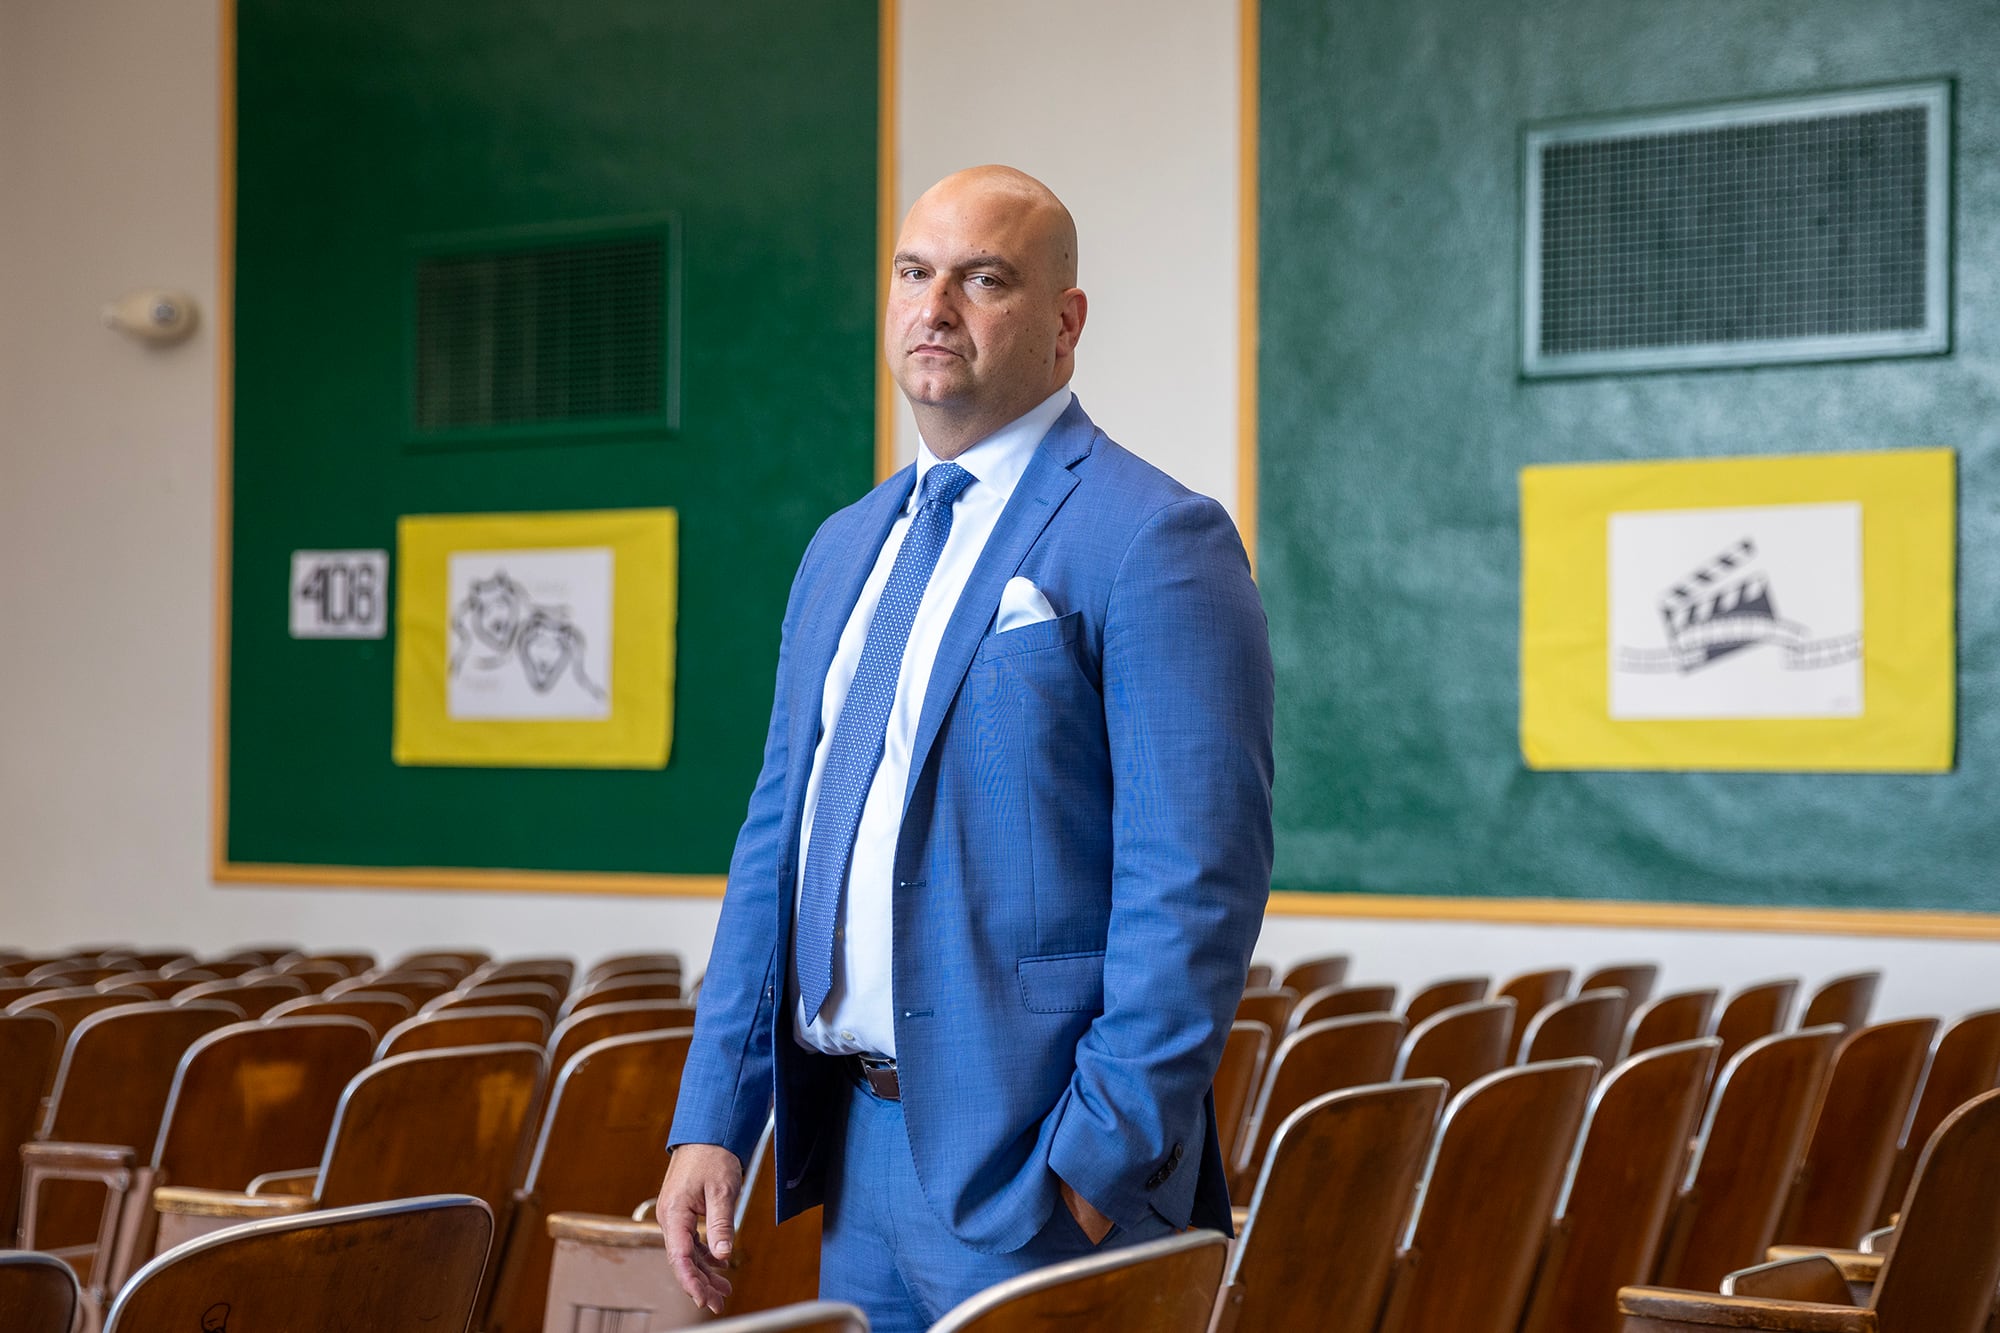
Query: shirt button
point(847, 1036)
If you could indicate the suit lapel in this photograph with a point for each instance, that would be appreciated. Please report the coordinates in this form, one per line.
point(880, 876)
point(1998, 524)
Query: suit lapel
point(1040, 492)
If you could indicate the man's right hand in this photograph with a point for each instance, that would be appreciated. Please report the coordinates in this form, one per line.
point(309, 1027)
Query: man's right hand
point(702, 1183)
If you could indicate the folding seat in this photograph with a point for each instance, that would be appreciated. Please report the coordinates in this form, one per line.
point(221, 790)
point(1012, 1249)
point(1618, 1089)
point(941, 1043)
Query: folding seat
point(1245, 1053)
point(72, 1005)
point(624, 964)
point(558, 974)
point(1309, 974)
point(1590, 1024)
point(1260, 976)
point(380, 1010)
point(497, 1026)
point(1319, 1058)
point(410, 1266)
point(626, 986)
point(351, 963)
point(215, 967)
point(1964, 1063)
point(1487, 1201)
point(254, 998)
point(1670, 1019)
point(419, 988)
point(1758, 1010)
point(1448, 993)
point(31, 1044)
point(1162, 1286)
point(1637, 980)
point(1271, 1007)
point(455, 963)
point(1340, 1001)
point(516, 994)
point(1459, 1044)
point(38, 1293)
point(1845, 1000)
point(1619, 1187)
point(1327, 1210)
point(585, 1026)
point(1531, 993)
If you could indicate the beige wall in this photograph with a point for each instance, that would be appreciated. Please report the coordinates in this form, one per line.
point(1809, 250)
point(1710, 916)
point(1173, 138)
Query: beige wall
point(107, 182)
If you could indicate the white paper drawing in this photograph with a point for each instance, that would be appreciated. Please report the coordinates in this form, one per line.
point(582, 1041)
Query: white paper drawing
point(1750, 612)
point(530, 634)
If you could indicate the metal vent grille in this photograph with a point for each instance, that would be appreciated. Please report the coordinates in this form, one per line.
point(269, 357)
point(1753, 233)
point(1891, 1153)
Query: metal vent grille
point(548, 335)
point(1809, 229)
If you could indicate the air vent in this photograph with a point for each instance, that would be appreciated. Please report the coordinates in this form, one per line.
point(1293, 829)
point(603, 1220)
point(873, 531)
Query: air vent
point(553, 336)
point(1809, 229)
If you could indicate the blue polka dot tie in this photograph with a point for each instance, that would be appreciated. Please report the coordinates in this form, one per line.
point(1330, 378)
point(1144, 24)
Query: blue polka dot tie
point(856, 750)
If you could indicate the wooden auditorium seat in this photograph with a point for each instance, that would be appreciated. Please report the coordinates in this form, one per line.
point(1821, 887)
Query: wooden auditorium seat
point(1487, 1200)
point(1271, 1006)
point(1614, 1203)
point(1459, 1045)
point(1321, 1057)
point(419, 988)
point(1590, 1024)
point(229, 968)
point(805, 1317)
point(1845, 1000)
point(1327, 1211)
point(380, 1010)
point(455, 963)
point(31, 1045)
point(500, 1025)
point(1964, 1063)
point(1667, 1020)
point(1758, 1010)
point(1260, 975)
point(558, 974)
point(513, 994)
point(1162, 1286)
point(1448, 993)
point(411, 1266)
point(614, 1020)
point(1531, 993)
point(1246, 1053)
point(1637, 980)
point(1340, 1001)
point(1751, 1143)
point(71, 1005)
point(38, 1293)
point(1309, 974)
point(352, 963)
point(625, 986)
point(254, 998)
point(631, 964)
point(1940, 1276)
point(1840, 1184)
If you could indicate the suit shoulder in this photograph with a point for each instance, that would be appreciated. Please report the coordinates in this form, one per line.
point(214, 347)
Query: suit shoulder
point(1136, 490)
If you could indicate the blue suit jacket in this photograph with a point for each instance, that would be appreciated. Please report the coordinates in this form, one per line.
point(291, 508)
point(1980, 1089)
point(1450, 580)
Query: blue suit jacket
point(1081, 873)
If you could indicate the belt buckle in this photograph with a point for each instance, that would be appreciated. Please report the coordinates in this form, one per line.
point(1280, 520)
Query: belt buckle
point(880, 1076)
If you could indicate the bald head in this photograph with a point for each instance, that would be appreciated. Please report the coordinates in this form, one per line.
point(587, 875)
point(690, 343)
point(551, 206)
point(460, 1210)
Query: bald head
point(1044, 222)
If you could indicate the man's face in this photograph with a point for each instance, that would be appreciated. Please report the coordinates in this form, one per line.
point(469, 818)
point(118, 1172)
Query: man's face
point(977, 323)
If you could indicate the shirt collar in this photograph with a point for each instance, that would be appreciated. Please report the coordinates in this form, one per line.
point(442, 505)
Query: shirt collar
point(999, 460)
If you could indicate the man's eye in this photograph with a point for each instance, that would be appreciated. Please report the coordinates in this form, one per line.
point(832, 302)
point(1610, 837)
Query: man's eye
point(986, 280)
point(913, 275)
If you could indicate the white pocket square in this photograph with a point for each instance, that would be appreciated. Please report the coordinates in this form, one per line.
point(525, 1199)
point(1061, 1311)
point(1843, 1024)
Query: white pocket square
point(1021, 604)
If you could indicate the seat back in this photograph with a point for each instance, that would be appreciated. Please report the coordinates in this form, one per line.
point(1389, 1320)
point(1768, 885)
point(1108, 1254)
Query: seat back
point(776, 1264)
point(1845, 1000)
point(252, 1098)
point(428, 1122)
point(1259, 976)
point(1488, 1199)
point(598, 1152)
point(1838, 1190)
point(625, 964)
point(1162, 1286)
point(1449, 993)
point(596, 1023)
point(1460, 1044)
point(1321, 1057)
point(71, 1005)
point(254, 998)
point(1669, 1019)
point(558, 974)
point(628, 986)
point(1309, 974)
point(1271, 1007)
point(536, 995)
point(1246, 1052)
point(38, 1293)
point(412, 1266)
point(1964, 1063)
point(459, 963)
point(418, 988)
point(380, 1010)
point(500, 1026)
point(1748, 1152)
point(1344, 1165)
point(1531, 993)
point(1755, 1011)
point(351, 964)
point(1341, 1001)
point(807, 1317)
point(1590, 1024)
point(213, 967)
point(118, 1068)
point(1941, 1276)
point(1620, 1186)
point(30, 1045)
point(1637, 980)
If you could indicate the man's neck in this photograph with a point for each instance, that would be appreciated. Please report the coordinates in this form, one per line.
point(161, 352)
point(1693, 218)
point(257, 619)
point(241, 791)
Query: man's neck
point(947, 434)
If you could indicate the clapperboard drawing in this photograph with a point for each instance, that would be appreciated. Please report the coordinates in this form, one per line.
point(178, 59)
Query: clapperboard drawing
point(1750, 612)
point(530, 634)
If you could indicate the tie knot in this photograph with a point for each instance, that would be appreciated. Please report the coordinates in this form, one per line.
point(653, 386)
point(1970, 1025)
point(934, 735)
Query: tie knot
point(945, 482)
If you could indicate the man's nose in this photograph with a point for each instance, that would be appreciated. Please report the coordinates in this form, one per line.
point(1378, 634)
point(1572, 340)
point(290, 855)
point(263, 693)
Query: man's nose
point(938, 309)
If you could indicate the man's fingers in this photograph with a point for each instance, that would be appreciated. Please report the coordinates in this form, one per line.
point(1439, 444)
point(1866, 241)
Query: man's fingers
point(721, 1220)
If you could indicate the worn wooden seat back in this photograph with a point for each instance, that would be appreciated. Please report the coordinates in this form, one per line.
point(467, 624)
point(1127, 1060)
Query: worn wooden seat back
point(1460, 1044)
point(213, 967)
point(1866, 1102)
point(498, 1026)
point(72, 1005)
point(38, 1293)
point(598, 1151)
point(1945, 1267)
point(412, 1266)
point(1756, 1011)
point(558, 974)
point(1531, 993)
point(1964, 1063)
point(255, 999)
point(1327, 1211)
point(1668, 1019)
point(614, 1020)
point(1321, 1057)
point(257, 1097)
point(1487, 1200)
point(1587, 1025)
point(1613, 1208)
point(380, 1010)
point(30, 1046)
point(1750, 1147)
point(1309, 974)
point(447, 1121)
point(1845, 1000)
point(627, 963)
point(351, 963)
point(419, 988)
point(1246, 1053)
point(536, 995)
point(1162, 1286)
point(458, 963)
point(1448, 993)
point(1259, 976)
point(627, 986)
point(1341, 1001)
point(1637, 980)
point(1270, 1006)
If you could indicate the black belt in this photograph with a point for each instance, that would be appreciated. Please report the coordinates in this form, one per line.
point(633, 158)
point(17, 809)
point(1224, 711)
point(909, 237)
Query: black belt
point(877, 1074)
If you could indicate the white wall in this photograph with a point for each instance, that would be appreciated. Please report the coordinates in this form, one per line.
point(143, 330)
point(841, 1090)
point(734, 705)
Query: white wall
point(107, 181)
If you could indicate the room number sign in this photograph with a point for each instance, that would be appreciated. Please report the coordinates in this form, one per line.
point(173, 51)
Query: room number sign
point(340, 594)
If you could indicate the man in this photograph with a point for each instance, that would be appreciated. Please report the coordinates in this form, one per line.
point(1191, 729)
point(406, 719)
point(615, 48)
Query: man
point(993, 904)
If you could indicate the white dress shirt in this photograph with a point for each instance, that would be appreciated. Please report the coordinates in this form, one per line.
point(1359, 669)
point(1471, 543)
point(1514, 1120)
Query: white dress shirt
point(859, 1015)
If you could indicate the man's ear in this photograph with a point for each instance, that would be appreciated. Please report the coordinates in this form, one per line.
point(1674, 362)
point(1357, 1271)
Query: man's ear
point(1075, 308)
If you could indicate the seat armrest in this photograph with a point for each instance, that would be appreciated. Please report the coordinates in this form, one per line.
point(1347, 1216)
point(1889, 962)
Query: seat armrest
point(1664, 1310)
point(601, 1229)
point(1854, 1265)
point(93, 1158)
point(649, 1211)
point(273, 1183)
point(186, 1201)
point(1810, 1278)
